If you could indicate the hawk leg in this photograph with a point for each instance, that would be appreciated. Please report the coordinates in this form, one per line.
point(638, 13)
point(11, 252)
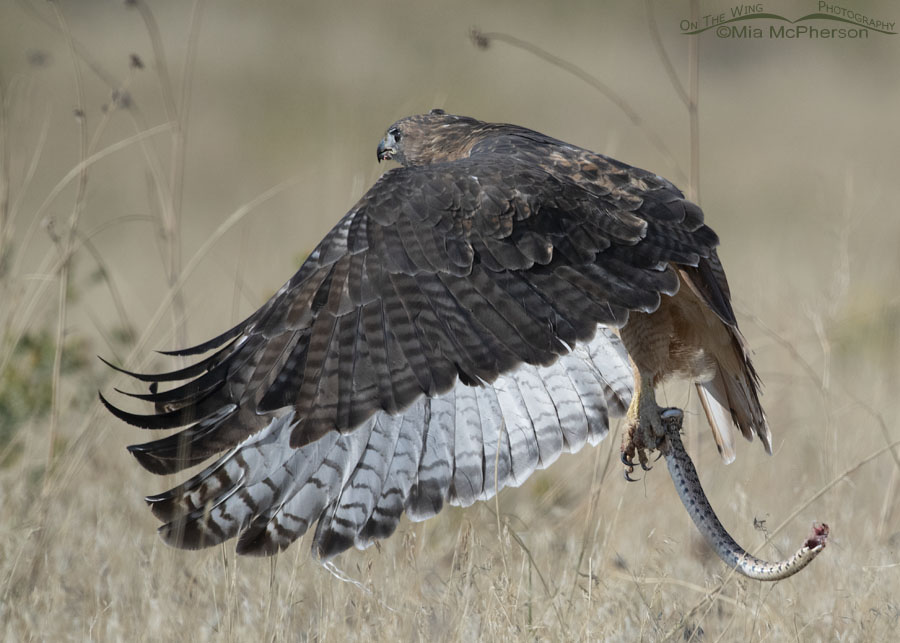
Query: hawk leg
point(644, 430)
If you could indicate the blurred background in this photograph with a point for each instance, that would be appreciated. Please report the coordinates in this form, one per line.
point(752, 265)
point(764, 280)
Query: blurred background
point(186, 157)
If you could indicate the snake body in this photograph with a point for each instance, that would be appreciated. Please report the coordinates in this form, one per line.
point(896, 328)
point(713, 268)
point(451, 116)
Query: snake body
point(687, 484)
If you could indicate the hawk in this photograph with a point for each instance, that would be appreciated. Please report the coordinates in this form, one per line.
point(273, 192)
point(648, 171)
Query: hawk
point(483, 308)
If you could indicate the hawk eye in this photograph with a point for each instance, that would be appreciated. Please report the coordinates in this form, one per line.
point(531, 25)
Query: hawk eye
point(395, 132)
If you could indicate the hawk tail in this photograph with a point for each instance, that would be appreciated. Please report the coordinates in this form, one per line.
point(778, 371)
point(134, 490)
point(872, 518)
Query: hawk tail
point(731, 400)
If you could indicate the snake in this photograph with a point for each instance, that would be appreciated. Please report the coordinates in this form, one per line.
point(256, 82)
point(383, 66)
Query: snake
point(687, 484)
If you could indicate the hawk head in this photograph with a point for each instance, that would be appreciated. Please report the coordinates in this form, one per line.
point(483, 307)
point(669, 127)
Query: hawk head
point(429, 138)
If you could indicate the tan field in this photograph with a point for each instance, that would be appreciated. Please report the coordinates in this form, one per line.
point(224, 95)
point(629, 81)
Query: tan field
point(188, 156)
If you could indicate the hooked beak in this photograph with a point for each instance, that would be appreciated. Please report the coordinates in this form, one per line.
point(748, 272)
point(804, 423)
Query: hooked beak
point(385, 151)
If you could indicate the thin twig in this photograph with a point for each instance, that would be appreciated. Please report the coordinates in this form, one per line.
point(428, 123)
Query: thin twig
point(650, 580)
point(159, 58)
point(179, 147)
point(181, 133)
point(484, 39)
point(656, 39)
point(171, 207)
point(69, 242)
point(107, 277)
point(550, 595)
point(591, 526)
point(4, 175)
point(238, 280)
point(887, 505)
point(29, 175)
point(693, 111)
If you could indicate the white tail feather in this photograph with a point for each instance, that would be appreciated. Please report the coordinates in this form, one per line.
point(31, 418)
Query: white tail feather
point(714, 399)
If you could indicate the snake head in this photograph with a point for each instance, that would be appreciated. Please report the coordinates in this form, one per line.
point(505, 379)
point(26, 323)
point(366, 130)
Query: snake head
point(818, 536)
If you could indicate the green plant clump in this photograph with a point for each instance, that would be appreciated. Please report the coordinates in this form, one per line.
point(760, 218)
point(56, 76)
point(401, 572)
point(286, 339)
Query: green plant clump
point(26, 384)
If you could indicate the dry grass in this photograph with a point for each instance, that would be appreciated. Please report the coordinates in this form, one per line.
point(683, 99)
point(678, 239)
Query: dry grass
point(116, 238)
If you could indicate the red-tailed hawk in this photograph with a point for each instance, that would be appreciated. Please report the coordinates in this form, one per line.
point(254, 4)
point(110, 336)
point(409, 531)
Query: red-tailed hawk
point(483, 308)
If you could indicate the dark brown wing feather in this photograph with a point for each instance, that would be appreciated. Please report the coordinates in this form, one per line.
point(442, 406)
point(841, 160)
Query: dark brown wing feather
point(454, 270)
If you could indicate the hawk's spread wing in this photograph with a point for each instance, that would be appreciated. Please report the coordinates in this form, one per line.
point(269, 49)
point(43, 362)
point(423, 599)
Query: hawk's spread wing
point(447, 337)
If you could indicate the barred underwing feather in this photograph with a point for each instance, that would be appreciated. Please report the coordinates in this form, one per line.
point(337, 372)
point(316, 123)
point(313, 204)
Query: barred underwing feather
point(593, 399)
point(359, 484)
point(429, 491)
point(541, 413)
point(311, 495)
point(468, 448)
point(497, 455)
point(301, 502)
point(569, 407)
point(341, 528)
point(523, 450)
point(610, 362)
point(404, 467)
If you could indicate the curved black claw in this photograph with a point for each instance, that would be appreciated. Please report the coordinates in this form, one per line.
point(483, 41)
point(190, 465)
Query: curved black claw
point(628, 476)
point(645, 466)
point(628, 462)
